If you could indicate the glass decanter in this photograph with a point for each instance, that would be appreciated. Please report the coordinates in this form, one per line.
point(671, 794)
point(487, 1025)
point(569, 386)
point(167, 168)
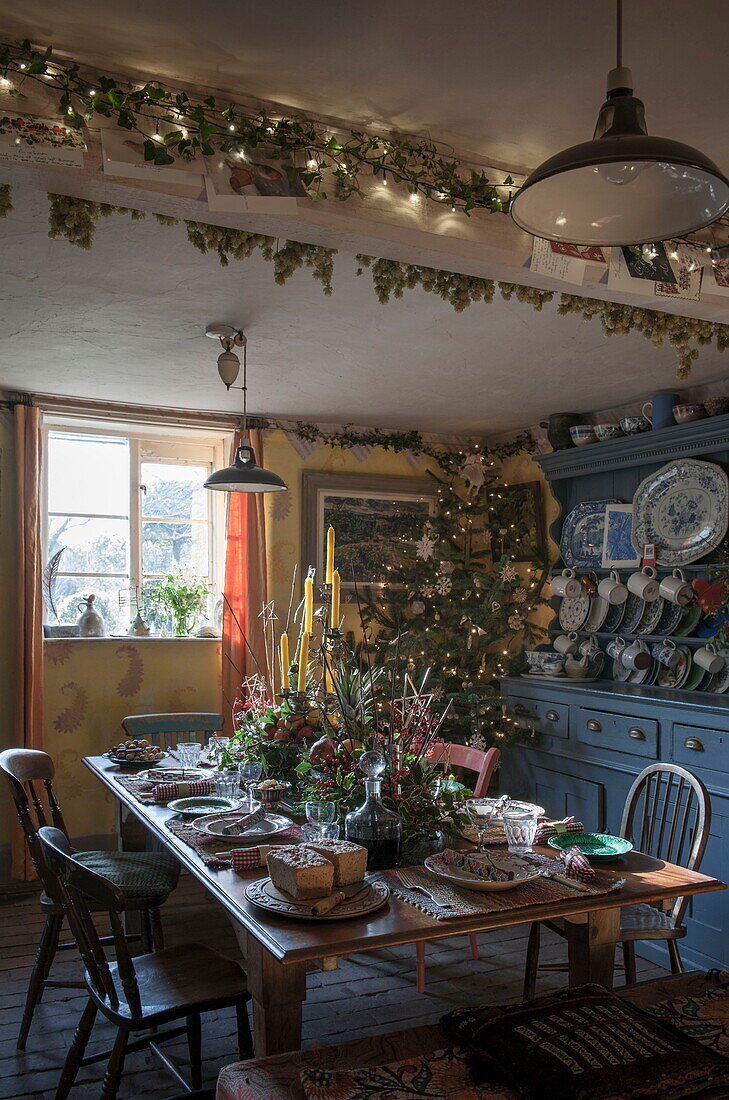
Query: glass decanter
point(372, 825)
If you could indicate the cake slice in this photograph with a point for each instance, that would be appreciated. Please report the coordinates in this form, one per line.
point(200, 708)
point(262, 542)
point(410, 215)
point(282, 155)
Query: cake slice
point(350, 860)
point(300, 872)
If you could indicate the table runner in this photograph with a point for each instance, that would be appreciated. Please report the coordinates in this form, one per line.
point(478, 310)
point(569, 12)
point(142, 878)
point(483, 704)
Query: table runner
point(209, 847)
point(467, 903)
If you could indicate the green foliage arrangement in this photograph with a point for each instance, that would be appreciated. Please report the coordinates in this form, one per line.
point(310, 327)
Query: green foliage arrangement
point(179, 598)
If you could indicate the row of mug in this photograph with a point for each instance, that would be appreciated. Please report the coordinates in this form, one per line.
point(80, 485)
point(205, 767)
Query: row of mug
point(637, 655)
point(643, 583)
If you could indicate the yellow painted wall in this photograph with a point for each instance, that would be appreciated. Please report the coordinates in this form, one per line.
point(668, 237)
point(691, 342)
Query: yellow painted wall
point(7, 601)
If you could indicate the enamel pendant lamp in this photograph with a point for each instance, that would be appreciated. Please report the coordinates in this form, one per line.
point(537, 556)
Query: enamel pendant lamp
point(623, 187)
point(245, 475)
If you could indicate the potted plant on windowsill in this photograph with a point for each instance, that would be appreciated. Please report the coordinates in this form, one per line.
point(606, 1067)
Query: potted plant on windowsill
point(179, 599)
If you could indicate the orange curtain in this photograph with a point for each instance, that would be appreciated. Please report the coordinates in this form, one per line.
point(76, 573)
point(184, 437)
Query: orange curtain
point(245, 587)
point(29, 617)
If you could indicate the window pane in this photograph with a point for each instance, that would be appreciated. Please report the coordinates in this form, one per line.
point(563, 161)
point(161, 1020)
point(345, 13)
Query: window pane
point(88, 474)
point(174, 491)
point(174, 548)
point(69, 591)
point(91, 545)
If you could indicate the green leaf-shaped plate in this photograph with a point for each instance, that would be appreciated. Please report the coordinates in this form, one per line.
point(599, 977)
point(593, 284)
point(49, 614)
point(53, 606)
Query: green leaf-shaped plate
point(598, 846)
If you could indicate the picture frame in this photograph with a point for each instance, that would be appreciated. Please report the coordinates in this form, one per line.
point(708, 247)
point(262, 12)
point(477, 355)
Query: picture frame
point(519, 504)
point(618, 551)
point(368, 512)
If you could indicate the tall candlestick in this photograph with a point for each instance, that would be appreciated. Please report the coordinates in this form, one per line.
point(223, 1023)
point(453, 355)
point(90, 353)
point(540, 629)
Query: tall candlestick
point(336, 590)
point(330, 554)
point(303, 661)
point(308, 605)
point(285, 662)
point(328, 680)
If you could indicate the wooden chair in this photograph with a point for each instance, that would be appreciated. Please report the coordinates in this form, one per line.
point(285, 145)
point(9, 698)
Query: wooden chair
point(167, 729)
point(484, 764)
point(140, 994)
point(146, 880)
point(667, 814)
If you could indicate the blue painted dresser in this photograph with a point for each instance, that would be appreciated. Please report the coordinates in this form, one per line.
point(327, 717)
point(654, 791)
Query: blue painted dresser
point(593, 739)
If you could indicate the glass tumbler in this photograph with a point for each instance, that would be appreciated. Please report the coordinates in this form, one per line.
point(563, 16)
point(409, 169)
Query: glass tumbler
point(227, 784)
point(520, 827)
point(320, 832)
point(320, 814)
point(188, 753)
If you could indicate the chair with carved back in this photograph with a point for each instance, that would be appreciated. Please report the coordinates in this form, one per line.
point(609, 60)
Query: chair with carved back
point(166, 729)
point(146, 879)
point(667, 815)
point(484, 765)
point(142, 994)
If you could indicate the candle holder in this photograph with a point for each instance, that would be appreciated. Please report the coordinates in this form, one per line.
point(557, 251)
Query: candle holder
point(324, 593)
point(299, 700)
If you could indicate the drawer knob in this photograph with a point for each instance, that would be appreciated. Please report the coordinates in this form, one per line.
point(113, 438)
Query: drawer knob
point(637, 733)
point(552, 716)
point(694, 743)
point(594, 726)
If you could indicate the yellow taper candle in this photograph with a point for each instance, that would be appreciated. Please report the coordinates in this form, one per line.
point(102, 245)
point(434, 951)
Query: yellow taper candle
point(285, 662)
point(303, 661)
point(308, 605)
point(328, 681)
point(336, 589)
point(330, 555)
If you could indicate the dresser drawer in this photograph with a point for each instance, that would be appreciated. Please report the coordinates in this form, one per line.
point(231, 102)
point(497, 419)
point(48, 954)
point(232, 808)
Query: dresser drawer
point(541, 715)
point(616, 732)
point(700, 748)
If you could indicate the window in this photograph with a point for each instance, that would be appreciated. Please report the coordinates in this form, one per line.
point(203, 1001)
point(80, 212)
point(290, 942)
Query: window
point(126, 509)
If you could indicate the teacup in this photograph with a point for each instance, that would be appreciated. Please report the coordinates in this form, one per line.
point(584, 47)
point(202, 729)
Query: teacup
point(666, 653)
point(636, 656)
point(676, 588)
point(567, 584)
point(644, 584)
point(581, 434)
point(616, 647)
point(566, 643)
point(709, 659)
point(612, 589)
point(537, 657)
point(608, 431)
point(632, 425)
point(590, 647)
point(682, 414)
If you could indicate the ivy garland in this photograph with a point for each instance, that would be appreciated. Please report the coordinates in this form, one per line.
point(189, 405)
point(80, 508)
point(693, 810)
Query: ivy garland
point(175, 125)
point(451, 461)
point(75, 219)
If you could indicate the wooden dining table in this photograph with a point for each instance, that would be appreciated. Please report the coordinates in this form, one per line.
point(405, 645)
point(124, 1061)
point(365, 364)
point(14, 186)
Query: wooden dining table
point(279, 951)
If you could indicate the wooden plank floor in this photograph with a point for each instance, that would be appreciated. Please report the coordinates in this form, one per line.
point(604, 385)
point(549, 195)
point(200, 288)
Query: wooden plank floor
point(369, 993)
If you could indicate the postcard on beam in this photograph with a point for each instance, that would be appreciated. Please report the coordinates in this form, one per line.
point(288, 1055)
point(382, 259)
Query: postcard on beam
point(250, 184)
point(123, 155)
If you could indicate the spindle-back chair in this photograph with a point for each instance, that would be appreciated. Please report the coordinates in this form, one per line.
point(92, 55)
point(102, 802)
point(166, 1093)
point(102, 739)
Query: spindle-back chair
point(166, 729)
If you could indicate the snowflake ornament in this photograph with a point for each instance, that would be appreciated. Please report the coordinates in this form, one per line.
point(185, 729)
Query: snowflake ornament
point(520, 595)
point(447, 567)
point(428, 590)
point(425, 547)
point(444, 585)
point(417, 607)
point(508, 572)
point(515, 622)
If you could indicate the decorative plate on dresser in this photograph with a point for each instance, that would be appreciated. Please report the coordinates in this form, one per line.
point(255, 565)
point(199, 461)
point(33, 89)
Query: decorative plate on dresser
point(670, 618)
point(683, 509)
point(597, 614)
point(583, 534)
point(614, 618)
point(675, 677)
point(573, 611)
point(650, 618)
point(620, 673)
point(634, 611)
point(688, 621)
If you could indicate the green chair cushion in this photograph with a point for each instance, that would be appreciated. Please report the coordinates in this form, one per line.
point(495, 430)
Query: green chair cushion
point(150, 875)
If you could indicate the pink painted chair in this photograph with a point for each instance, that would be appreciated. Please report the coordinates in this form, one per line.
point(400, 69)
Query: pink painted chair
point(484, 764)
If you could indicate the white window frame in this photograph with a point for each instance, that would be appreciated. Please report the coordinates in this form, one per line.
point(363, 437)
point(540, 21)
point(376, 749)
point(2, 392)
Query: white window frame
point(151, 443)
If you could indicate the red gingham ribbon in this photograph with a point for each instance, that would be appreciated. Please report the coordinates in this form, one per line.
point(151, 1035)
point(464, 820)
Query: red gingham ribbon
point(164, 792)
point(577, 866)
point(547, 829)
point(246, 859)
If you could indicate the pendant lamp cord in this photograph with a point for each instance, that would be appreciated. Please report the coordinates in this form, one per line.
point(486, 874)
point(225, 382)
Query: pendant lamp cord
point(619, 34)
point(245, 389)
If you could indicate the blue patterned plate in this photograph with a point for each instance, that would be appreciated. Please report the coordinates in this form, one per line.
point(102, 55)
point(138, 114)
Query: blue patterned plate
point(669, 620)
point(650, 618)
point(582, 534)
point(614, 618)
point(683, 509)
point(634, 611)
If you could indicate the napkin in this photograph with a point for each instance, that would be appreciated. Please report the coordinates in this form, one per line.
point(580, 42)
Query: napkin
point(577, 866)
point(246, 859)
point(165, 792)
point(547, 828)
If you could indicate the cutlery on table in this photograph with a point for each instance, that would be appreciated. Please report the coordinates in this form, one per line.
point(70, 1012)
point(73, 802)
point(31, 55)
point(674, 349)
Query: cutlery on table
point(434, 894)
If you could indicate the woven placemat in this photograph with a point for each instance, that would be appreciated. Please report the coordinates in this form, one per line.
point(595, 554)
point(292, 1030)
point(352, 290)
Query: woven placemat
point(467, 903)
point(211, 848)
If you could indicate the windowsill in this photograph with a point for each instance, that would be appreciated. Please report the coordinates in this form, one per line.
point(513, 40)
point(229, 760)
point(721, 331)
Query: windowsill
point(136, 638)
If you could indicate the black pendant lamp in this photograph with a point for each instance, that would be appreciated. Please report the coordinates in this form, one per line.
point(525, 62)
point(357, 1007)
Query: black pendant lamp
point(623, 187)
point(245, 475)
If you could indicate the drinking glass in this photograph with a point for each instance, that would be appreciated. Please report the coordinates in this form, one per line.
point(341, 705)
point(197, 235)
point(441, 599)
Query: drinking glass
point(188, 753)
point(480, 812)
point(217, 746)
point(227, 784)
point(249, 771)
point(320, 832)
point(320, 815)
point(520, 827)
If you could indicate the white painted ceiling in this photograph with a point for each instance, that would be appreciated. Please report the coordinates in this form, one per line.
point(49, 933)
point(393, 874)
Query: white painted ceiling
point(514, 80)
point(125, 322)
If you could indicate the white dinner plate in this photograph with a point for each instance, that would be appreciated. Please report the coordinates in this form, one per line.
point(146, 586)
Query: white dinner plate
point(213, 825)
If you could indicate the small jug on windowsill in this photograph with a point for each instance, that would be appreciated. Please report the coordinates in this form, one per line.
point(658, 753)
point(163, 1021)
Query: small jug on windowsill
point(90, 624)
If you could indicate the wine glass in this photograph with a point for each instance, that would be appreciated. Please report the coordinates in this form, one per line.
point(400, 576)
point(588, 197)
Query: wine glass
point(217, 747)
point(188, 753)
point(320, 815)
point(249, 771)
point(480, 812)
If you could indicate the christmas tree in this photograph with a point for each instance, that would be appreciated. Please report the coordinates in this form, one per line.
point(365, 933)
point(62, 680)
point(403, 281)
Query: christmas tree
point(458, 600)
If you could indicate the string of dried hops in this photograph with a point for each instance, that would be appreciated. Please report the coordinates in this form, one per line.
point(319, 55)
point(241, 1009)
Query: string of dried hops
point(6, 204)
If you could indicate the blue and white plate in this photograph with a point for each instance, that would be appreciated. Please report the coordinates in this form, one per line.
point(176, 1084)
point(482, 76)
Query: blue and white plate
point(582, 534)
point(634, 611)
point(614, 618)
point(670, 618)
point(683, 509)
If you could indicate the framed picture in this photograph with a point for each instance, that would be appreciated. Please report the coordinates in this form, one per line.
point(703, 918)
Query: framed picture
point(369, 515)
point(618, 551)
point(516, 524)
